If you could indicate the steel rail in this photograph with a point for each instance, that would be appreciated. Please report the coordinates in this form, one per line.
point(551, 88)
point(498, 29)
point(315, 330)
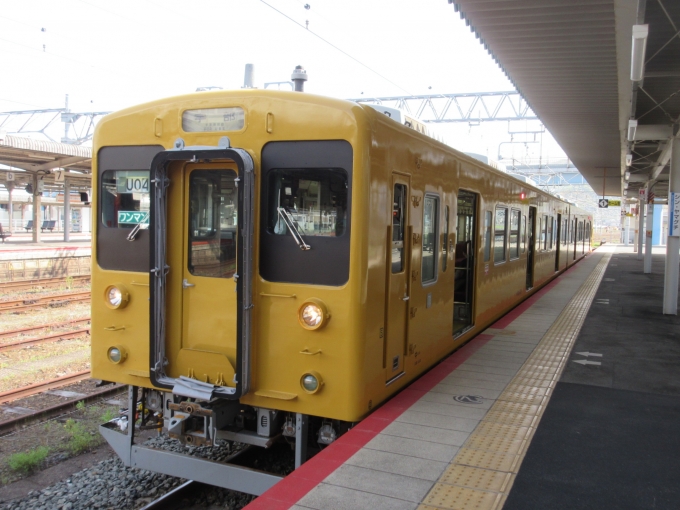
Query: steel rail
point(9, 426)
point(66, 335)
point(16, 332)
point(27, 304)
point(27, 284)
point(32, 389)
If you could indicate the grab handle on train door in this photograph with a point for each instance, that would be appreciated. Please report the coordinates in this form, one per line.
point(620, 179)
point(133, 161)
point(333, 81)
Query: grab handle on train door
point(306, 351)
point(405, 298)
point(186, 284)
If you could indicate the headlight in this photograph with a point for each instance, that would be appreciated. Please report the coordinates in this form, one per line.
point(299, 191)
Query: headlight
point(116, 296)
point(311, 382)
point(313, 314)
point(116, 354)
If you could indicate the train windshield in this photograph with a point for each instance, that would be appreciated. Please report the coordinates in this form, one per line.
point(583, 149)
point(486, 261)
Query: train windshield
point(315, 201)
point(125, 199)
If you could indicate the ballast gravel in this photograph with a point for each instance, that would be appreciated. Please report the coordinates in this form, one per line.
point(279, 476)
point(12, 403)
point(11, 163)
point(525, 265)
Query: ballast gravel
point(111, 485)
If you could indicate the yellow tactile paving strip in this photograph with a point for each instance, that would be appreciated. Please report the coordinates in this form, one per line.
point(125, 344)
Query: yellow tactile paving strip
point(483, 471)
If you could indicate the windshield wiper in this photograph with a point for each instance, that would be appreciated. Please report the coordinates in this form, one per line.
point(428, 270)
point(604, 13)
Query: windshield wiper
point(133, 233)
point(290, 223)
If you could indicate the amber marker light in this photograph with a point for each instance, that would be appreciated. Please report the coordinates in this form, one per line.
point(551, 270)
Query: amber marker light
point(116, 296)
point(311, 382)
point(313, 314)
point(116, 354)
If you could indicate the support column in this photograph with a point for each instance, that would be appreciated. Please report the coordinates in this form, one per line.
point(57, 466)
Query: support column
point(626, 232)
point(635, 234)
point(67, 210)
point(36, 210)
point(670, 282)
point(641, 229)
point(648, 238)
point(10, 187)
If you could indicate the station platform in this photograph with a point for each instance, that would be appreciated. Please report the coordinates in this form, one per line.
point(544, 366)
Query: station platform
point(568, 402)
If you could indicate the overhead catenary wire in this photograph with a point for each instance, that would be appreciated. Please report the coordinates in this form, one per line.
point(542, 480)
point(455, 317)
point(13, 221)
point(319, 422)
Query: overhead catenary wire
point(336, 48)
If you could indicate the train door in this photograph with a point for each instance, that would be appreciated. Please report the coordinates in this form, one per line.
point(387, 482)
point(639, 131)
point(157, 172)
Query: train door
point(558, 238)
point(464, 279)
point(208, 283)
point(575, 236)
point(531, 233)
point(398, 281)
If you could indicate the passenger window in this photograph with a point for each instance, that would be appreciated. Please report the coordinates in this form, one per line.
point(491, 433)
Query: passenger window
point(514, 233)
point(487, 236)
point(499, 241)
point(550, 233)
point(125, 201)
point(445, 241)
point(544, 233)
point(429, 240)
point(398, 226)
point(212, 223)
point(523, 233)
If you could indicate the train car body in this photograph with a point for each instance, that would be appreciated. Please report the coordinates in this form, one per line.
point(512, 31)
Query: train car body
point(261, 257)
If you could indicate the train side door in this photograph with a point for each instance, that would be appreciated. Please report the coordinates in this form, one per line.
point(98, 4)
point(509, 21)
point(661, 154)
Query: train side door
point(531, 247)
point(558, 238)
point(464, 280)
point(209, 298)
point(398, 282)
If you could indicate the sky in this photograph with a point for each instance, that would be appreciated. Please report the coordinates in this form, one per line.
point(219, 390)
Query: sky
point(111, 55)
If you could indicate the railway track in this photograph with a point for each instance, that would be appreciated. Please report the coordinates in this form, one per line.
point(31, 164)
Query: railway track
point(48, 338)
point(9, 426)
point(17, 332)
point(32, 389)
point(43, 282)
point(39, 302)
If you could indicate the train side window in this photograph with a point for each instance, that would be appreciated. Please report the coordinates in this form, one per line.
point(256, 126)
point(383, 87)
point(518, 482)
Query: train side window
point(500, 238)
point(445, 241)
point(544, 233)
point(398, 226)
point(523, 233)
point(550, 233)
point(487, 236)
point(514, 234)
point(429, 239)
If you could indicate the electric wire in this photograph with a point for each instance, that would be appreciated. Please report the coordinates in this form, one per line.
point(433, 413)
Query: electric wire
point(335, 47)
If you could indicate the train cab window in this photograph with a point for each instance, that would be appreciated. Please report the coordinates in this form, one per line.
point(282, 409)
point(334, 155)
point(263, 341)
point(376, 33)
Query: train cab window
point(499, 235)
point(523, 233)
point(487, 236)
point(514, 233)
point(312, 202)
point(429, 239)
point(212, 223)
point(125, 198)
point(398, 227)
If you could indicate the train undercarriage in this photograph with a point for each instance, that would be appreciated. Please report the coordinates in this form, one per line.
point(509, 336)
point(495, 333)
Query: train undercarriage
point(213, 423)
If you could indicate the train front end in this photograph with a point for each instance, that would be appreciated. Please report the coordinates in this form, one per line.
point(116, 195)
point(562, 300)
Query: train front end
point(222, 287)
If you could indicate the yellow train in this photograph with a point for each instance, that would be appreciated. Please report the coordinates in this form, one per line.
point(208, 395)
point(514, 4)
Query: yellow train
point(271, 263)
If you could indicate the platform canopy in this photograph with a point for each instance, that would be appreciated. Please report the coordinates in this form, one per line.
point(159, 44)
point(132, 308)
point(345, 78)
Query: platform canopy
point(42, 158)
point(571, 60)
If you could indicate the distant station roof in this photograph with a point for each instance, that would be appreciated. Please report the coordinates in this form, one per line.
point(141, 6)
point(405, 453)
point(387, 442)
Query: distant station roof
point(42, 157)
point(571, 60)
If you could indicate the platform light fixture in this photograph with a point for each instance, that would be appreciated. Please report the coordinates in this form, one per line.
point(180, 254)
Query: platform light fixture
point(626, 175)
point(637, 62)
point(629, 159)
point(632, 128)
